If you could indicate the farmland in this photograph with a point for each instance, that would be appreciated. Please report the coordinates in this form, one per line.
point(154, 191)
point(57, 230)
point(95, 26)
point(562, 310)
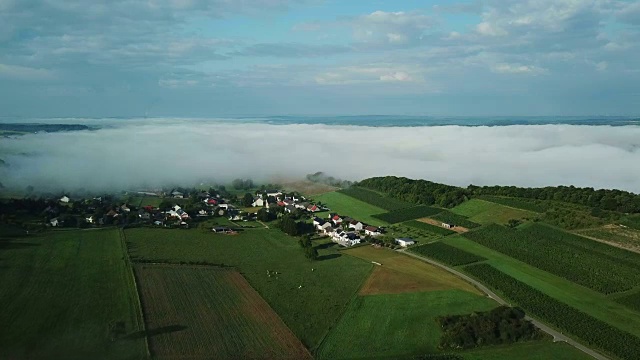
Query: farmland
point(63, 296)
point(485, 212)
point(438, 230)
point(346, 205)
point(194, 312)
point(318, 304)
point(598, 266)
point(420, 235)
point(452, 218)
point(533, 205)
point(616, 235)
point(416, 212)
point(632, 301)
point(400, 273)
point(593, 331)
point(447, 254)
point(375, 199)
point(596, 304)
point(396, 325)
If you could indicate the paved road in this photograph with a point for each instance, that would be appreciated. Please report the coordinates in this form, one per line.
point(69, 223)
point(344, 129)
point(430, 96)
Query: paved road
point(557, 336)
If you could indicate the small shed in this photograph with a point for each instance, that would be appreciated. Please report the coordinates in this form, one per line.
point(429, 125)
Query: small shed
point(404, 242)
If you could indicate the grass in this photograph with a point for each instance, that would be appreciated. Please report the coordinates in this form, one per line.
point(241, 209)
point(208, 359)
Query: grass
point(455, 219)
point(421, 236)
point(327, 285)
point(536, 350)
point(60, 293)
point(193, 312)
point(589, 301)
point(354, 208)
point(485, 212)
point(401, 273)
point(401, 215)
point(438, 230)
point(624, 237)
point(397, 324)
point(375, 199)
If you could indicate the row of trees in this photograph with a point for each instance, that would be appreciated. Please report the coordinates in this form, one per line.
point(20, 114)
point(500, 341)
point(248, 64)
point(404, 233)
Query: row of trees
point(430, 193)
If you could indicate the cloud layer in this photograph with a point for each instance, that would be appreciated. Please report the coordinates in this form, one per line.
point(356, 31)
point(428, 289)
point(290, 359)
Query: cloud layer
point(150, 153)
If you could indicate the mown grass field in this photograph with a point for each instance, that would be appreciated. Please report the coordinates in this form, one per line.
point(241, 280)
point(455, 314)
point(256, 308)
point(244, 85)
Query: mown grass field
point(591, 302)
point(536, 350)
point(354, 208)
point(485, 212)
point(402, 230)
point(400, 273)
point(197, 312)
point(375, 199)
point(328, 284)
point(59, 293)
point(397, 324)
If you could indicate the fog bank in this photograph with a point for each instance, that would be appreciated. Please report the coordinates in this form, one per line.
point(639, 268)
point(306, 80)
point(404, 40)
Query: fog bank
point(145, 154)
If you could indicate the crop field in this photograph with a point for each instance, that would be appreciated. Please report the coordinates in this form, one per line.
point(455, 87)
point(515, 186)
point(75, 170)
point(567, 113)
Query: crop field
point(194, 312)
point(347, 206)
point(591, 330)
point(401, 230)
point(632, 301)
point(62, 295)
point(598, 305)
point(400, 273)
point(455, 219)
point(485, 212)
point(375, 199)
point(438, 230)
point(533, 350)
point(601, 267)
point(416, 212)
point(397, 325)
point(309, 296)
point(447, 254)
point(534, 205)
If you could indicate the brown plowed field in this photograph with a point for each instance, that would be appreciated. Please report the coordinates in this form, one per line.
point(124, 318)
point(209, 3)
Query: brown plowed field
point(198, 312)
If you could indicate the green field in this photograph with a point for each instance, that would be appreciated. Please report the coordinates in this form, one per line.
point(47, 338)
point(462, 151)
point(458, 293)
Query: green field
point(375, 199)
point(438, 230)
point(354, 208)
point(536, 350)
point(309, 311)
point(401, 215)
point(397, 325)
point(61, 291)
point(485, 212)
point(421, 236)
point(538, 206)
point(619, 235)
point(455, 219)
point(446, 254)
point(193, 312)
point(591, 302)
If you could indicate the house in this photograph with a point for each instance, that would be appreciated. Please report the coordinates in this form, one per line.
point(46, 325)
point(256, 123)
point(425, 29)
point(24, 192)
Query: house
point(55, 222)
point(257, 202)
point(326, 227)
point(144, 216)
point(112, 213)
point(317, 221)
point(157, 222)
point(302, 205)
point(176, 208)
point(177, 195)
point(336, 219)
point(271, 203)
point(90, 219)
point(221, 230)
point(372, 231)
point(224, 206)
point(289, 208)
point(64, 199)
point(202, 213)
point(274, 193)
point(404, 242)
point(447, 225)
point(313, 208)
point(356, 225)
point(211, 202)
point(125, 208)
point(288, 202)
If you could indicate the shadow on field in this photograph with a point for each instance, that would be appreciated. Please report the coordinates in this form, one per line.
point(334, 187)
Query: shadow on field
point(326, 246)
point(328, 257)
point(154, 332)
point(8, 244)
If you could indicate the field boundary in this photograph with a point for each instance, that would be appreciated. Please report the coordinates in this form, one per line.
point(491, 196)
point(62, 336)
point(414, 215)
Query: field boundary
point(140, 314)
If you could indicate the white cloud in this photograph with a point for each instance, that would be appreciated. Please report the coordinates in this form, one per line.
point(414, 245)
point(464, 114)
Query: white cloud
point(505, 68)
point(515, 155)
point(371, 74)
point(25, 73)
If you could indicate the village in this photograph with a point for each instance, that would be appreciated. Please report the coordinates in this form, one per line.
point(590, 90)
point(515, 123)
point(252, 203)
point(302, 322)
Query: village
point(263, 206)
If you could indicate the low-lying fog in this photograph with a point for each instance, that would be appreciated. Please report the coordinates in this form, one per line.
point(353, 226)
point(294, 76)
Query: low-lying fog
point(142, 154)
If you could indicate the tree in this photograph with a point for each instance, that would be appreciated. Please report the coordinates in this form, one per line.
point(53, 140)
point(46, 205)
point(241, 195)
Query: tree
point(265, 215)
point(247, 200)
point(237, 184)
point(165, 204)
point(311, 253)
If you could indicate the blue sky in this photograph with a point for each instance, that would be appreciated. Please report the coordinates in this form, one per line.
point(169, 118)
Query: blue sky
point(270, 57)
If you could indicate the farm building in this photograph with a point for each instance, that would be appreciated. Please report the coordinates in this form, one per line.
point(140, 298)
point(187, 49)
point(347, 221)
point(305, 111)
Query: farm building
point(372, 231)
point(447, 225)
point(177, 195)
point(64, 199)
point(404, 242)
point(356, 225)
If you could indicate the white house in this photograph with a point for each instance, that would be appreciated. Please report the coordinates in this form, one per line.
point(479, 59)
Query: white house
point(90, 219)
point(326, 227)
point(317, 221)
point(64, 199)
point(257, 202)
point(224, 206)
point(55, 222)
point(404, 242)
point(447, 225)
point(125, 208)
point(371, 231)
point(336, 219)
point(356, 225)
point(177, 195)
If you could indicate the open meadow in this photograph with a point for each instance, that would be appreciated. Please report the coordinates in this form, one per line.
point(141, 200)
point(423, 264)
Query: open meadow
point(310, 297)
point(68, 295)
point(388, 325)
point(348, 206)
point(200, 312)
point(485, 212)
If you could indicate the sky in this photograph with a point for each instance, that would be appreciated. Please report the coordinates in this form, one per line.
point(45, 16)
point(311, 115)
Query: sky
point(197, 58)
